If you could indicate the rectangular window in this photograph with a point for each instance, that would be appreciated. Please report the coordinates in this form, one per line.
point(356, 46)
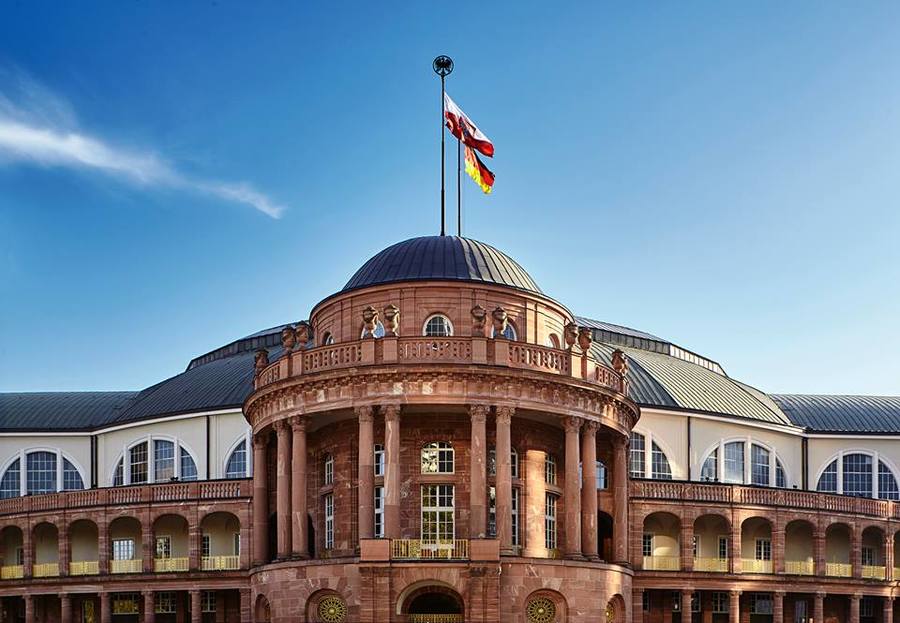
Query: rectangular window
point(646, 545)
point(123, 549)
point(720, 602)
point(437, 458)
point(763, 549)
point(438, 513)
point(676, 601)
point(723, 547)
point(41, 475)
point(163, 460)
point(858, 475)
point(329, 521)
point(515, 517)
point(695, 601)
point(734, 462)
point(759, 466)
point(601, 476)
point(695, 545)
point(550, 469)
point(379, 459)
point(329, 469)
point(868, 556)
point(492, 512)
point(637, 456)
point(125, 603)
point(20, 556)
point(379, 512)
point(165, 602)
point(205, 546)
point(208, 601)
point(138, 462)
point(645, 601)
point(550, 521)
point(761, 603)
point(867, 607)
point(801, 611)
point(163, 547)
point(236, 544)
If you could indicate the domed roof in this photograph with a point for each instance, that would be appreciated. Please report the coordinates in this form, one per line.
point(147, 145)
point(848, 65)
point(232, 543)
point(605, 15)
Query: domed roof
point(442, 257)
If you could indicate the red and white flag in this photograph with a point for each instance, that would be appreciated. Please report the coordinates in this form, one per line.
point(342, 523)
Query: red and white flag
point(462, 128)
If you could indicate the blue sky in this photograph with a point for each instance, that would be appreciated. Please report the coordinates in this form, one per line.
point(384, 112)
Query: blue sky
point(724, 175)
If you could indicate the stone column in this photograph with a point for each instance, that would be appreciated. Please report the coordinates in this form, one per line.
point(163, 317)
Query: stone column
point(64, 548)
point(195, 545)
point(686, 613)
point(589, 491)
point(29, 608)
point(889, 558)
point(246, 605)
point(778, 544)
point(196, 607)
point(687, 544)
point(260, 500)
point(819, 608)
point(366, 459)
point(888, 609)
point(503, 479)
point(637, 605)
point(478, 472)
point(778, 607)
point(65, 608)
point(391, 471)
point(620, 499)
point(856, 551)
point(283, 489)
point(854, 608)
point(734, 607)
point(27, 551)
point(103, 547)
point(299, 536)
point(819, 552)
point(105, 607)
point(149, 607)
point(573, 490)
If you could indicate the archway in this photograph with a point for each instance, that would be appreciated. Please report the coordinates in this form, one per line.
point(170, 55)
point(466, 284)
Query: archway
point(605, 536)
point(432, 604)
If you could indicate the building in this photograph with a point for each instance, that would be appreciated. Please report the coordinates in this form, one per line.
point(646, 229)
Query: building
point(415, 452)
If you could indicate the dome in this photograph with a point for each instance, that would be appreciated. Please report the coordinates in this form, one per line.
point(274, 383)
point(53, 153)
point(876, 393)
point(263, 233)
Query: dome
point(443, 258)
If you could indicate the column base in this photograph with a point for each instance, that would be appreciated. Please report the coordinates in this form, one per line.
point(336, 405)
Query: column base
point(509, 551)
point(574, 557)
point(593, 558)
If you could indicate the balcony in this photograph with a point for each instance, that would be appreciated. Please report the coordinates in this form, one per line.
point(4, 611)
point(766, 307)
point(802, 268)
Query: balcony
point(220, 563)
point(838, 569)
point(752, 565)
point(170, 565)
point(12, 572)
point(662, 563)
point(126, 566)
point(435, 618)
point(46, 570)
point(873, 572)
point(423, 549)
point(84, 567)
point(799, 567)
point(711, 565)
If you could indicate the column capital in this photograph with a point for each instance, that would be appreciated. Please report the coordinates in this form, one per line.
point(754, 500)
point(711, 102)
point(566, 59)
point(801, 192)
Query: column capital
point(820, 594)
point(504, 414)
point(282, 426)
point(572, 424)
point(478, 412)
point(856, 596)
point(780, 594)
point(391, 412)
point(365, 413)
point(148, 591)
point(260, 440)
point(620, 441)
point(735, 592)
point(298, 423)
point(590, 427)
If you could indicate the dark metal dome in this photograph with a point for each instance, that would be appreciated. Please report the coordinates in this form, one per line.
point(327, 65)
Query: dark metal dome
point(442, 257)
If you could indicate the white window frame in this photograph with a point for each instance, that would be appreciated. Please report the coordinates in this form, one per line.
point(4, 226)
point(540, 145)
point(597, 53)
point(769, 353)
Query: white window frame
point(151, 461)
point(437, 315)
point(378, 457)
point(114, 547)
point(378, 526)
point(22, 454)
point(877, 458)
point(439, 448)
point(328, 468)
point(247, 438)
point(328, 504)
point(649, 440)
point(749, 442)
point(439, 511)
point(551, 525)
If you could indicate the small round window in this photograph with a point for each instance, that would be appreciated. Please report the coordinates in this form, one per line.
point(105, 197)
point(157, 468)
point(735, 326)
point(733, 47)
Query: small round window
point(437, 326)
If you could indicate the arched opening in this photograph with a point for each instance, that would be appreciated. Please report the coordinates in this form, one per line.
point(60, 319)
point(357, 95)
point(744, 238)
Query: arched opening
point(427, 603)
point(605, 536)
point(615, 610)
point(170, 544)
point(126, 545)
point(872, 553)
point(220, 542)
point(799, 548)
point(263, 612)
point(84, 543)
point(13, 553)
point(711, 536)
point(660, 542)
point(46, 551)
point(837, 551)
point(756, 545)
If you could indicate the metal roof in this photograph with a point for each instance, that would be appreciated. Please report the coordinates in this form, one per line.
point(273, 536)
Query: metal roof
point(642, 387)
point(60, 411)
point(842, 414)
point(442, 257)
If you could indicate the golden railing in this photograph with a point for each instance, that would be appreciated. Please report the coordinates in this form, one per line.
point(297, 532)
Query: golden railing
point(752, 565)
point(46, 570)
point(84, 567)
point(126, 566)
point(435, 618)
point(12, 572)
point(169, 565)
point(839, 569)
point(873, 572)
point(799, 567)
point(662, 563)
point(220, 563)
point(713, 565)
point(424, 549)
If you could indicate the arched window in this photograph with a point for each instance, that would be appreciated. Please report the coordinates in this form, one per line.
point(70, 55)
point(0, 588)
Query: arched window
point(727, 462)
point(857, 476)
point(710, 470)
point(10, 484)
point(46, 471)
point(168, 460)
point(188, 467)
point(437, 458)
point(72, 480)
point(437, 325)
point(734, 462)
point(637, 456)
point(509, 332)
point(780, 476)
point(828, 481)
point(853, 474)
point(552, 341)
point(379, 331)
point(329, 469)
point(41, 476)
point(660, 464)
point(887, 483)
point(327, 339)
point(236, 466)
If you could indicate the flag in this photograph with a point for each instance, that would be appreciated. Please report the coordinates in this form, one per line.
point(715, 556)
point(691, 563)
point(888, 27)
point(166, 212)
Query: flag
point(477, 171)
point(462, 128)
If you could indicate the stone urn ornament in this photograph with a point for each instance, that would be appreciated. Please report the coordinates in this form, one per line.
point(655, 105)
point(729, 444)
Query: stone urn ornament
point(304, 333)
point(620, 362)
point(570, 333)
point(288, 339)
point(585, 338)
point(261, 360)
point(391, 320)
point(479, 319)
point(500, 319)
point(370, 320)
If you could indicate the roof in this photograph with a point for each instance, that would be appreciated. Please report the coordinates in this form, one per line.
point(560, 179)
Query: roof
point(53, 411)
point(442, 258)
point(842, 414)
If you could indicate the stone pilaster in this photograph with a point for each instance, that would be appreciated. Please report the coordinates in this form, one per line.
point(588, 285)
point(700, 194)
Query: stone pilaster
point(819, 607)
point(854, 608)
point(778, 607)
point(478, 472)
point(503, 480)
point(686, 597)
point(65, 608)
point(260, 500)
point(734, 606)
point(572, 493)
point(391, 471)
point(299, 536)
point(888, 609)
point(687, 545)
point(637, 605)
point(620, 500)
point(589, 491)
point(105, 607)
point(283, 489)
point(366, 472)
point(196, 607)
point(149, 607)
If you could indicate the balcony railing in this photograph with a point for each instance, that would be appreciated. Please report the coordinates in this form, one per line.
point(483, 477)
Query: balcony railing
point(662, 563)
point(464, 350)
point(170, 565)
point(838, 569)
point(84, 567)
point(435, 618)
point(220, 563)
point(46, 570)
point(799, 567)
point(873, 572)
point(126, 566)
point(424, 549)
point(711, 565)
point(752, 565)
point(12, 572)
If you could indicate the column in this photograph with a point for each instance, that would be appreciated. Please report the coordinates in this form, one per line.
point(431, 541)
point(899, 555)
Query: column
point(620, 499)
point(64, 548)
point(196, 607)
point(637, 605)
point(103, 547)
point(819, 552)
point(366, 503)
point(854, 607)
point(246, 609)
point(735, 549)
point(734, 607)
point(105, 607)
point(283, 489)
point(778, 543)
point(503, 479)
point(589, 491)
point(888, 609)
point(573, 490)
point(65, 608)
point(478, 475)
point(27, 550)
point(195, 544)
point(687, 596)
point(856, 551)
point(148, 537)
point(29, 608)
point(819, 608)
point(889, 558)
point(391, 471)
point(687, 544)
point(778, 607)
point(149, 607)
point(260, 500)
point(299, 536)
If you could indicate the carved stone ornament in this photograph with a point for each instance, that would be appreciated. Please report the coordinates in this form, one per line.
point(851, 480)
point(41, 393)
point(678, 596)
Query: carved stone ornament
point(370, 320)
point(391, 320)
point(500, 319)
point(570, 332)
point(304, 333)
point(288, 339)
point(620, 362)
point(479, 318)
point(261, 360)
point(585, 338)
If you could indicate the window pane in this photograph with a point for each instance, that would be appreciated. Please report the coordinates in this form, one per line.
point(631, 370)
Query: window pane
point(858, 475)
point(41, 475)
point(163, 460)
point(237, 462)
point(710, 469)
point(637, 456)
point(759, 466)
point(10, 484)
point(138, 458)
point(379, 512)
point(438, 326)
point(437, 458)
point(379, 459)
point(660, 464)
point(734, 461)
point(550, 521)
point(887, 484)
point(550, 469)
point(71, 477)
point(188, 467)
point(780, 477)
point(828, 479)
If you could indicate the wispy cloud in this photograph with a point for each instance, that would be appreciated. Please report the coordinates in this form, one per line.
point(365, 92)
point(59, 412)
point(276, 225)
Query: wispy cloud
point(39, 128)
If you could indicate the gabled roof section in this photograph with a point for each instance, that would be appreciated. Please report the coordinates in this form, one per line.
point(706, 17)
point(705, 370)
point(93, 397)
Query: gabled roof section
point(60, 411)
point(842, 414)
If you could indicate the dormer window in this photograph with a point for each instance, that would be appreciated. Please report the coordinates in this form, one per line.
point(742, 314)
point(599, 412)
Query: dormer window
point(437, 325)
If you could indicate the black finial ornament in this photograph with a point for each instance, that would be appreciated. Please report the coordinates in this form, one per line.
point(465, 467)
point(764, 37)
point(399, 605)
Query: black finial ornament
point(443, 65)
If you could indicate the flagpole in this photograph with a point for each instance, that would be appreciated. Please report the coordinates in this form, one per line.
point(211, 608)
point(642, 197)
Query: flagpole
point(458, 188)
point(442, 66)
